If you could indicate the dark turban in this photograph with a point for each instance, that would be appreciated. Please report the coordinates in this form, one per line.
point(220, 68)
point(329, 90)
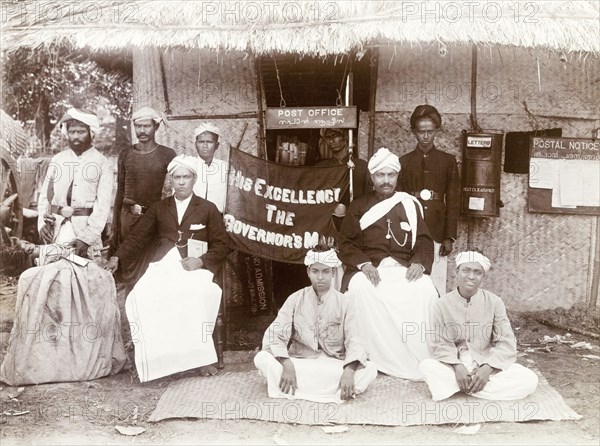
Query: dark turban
point(426, 111)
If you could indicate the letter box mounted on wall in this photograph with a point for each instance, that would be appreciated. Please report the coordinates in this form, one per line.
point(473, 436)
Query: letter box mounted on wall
point(482, 155)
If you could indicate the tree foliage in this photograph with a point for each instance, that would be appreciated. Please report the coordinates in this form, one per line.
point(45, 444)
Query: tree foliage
point(40, 84)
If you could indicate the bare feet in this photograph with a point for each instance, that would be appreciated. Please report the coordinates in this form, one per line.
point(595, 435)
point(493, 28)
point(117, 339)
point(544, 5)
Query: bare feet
point(208, 370)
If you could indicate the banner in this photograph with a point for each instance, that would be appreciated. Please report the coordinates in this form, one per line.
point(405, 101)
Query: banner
point(280, 212)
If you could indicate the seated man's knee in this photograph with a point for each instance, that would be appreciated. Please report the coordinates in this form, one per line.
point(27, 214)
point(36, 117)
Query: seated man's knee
point(263, 358)
point(359, 282)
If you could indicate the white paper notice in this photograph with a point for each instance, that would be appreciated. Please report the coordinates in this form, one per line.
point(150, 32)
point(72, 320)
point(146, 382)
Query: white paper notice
point(571, 183)
point(591, 183)
point(476, 203)
point(556, 202)
point(197, 248)
point(542, 172)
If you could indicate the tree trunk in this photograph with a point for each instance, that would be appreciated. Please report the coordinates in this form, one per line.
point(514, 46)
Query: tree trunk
point(42, 122)
point(122, 134)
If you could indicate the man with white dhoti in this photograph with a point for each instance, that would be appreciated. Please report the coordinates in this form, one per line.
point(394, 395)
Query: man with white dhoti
point(473, 346)
point(388, 253)
point(172, 309)
point(312, 350)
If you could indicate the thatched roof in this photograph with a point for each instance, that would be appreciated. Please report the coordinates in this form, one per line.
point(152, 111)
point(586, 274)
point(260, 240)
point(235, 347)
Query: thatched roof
point(311, 27)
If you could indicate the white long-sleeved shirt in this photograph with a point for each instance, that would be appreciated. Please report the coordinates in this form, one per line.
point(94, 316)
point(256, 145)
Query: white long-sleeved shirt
point(480, 326)
point(92, 178)
point(212, 182)
point(316, 325)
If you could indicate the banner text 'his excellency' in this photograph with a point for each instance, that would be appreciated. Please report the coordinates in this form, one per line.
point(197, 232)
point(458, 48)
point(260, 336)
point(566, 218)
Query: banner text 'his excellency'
point(277, 211)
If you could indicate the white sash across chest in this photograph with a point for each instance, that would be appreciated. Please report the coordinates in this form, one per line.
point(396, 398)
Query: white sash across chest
point(383, 207)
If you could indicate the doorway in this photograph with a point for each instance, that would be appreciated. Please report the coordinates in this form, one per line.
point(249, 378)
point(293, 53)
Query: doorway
point(294, 81)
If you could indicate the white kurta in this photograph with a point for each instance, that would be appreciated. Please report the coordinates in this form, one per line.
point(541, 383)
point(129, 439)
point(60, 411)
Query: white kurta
point(172, 315)
point(212, 182)
point(92, 178)
point(395, 314)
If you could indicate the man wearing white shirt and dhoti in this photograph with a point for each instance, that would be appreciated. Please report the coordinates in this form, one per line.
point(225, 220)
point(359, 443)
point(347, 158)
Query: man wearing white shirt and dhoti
point(472, 344)
point(388, 254)
point(312, 350)
point(173, 307)
point(212, 172)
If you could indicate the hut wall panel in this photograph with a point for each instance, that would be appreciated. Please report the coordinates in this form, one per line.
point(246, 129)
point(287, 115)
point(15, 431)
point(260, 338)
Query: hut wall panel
point(207, 82)
point(505, 79)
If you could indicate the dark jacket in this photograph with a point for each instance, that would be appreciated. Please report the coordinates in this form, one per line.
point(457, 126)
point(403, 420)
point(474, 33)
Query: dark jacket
point(358, 246)
point(437, 172)
point(159, 226)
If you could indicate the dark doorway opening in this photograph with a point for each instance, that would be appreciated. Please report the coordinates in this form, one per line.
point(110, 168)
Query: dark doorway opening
point(294, 81)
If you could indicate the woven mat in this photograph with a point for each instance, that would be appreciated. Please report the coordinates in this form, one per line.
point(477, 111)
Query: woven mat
point(388, 401)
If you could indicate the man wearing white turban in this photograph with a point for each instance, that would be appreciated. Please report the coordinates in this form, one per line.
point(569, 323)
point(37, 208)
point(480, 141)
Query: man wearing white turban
point(472, 344)
point(312, 350)
point(141, 172)
point(73, 208)
point(212, 172)
point(173, 307)
point(388, 253)
point(74, 201)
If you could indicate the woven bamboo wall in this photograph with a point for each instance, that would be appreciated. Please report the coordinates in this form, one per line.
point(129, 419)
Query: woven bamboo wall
point(540, 261)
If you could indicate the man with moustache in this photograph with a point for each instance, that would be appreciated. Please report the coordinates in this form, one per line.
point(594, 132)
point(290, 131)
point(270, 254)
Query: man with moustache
point(388, 252)
point(74, 201)
point(67, 290)
point(141, 173)
point(175, 303)
point(473, 347)
point(431, 175)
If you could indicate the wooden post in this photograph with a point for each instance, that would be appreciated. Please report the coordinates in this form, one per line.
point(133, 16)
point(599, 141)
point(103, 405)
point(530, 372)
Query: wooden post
point(373, 101)
point(262, 105)
point(596, 269)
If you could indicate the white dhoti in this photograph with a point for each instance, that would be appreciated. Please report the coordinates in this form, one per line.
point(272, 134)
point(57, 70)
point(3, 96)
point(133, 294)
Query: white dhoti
point(318, 379)
point(439, 269)
point(514, 383)
point(394, 317)
point(172, 315)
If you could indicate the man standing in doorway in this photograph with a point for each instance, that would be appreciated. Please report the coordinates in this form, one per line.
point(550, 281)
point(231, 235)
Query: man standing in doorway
point(212, 172)
point(337, 153)
point(141, 174)
point(431, 175)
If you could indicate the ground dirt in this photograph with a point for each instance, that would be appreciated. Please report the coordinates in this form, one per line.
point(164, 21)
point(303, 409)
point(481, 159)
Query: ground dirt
point(87, 412)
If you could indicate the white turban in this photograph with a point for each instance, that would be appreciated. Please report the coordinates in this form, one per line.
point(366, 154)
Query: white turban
point(473, 257)
point(206, 127)
point(328, 258)
point(189, 162)
point(383, 158)
point(147, 113)
point(88, 119)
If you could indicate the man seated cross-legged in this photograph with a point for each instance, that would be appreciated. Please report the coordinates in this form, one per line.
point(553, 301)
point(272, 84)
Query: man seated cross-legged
point(473, 346)
point(312, 350)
